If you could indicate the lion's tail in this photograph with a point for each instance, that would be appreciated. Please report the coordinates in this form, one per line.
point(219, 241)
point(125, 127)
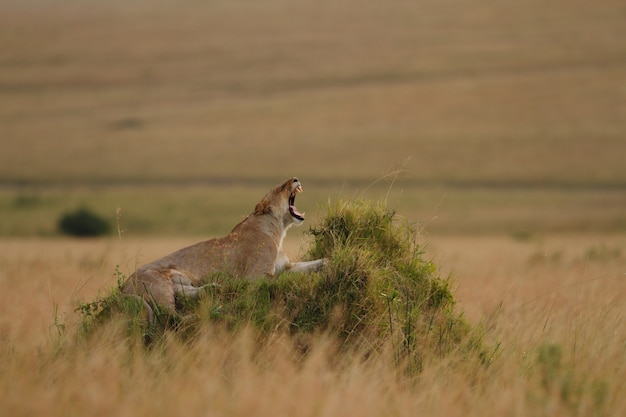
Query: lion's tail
point(149, 313)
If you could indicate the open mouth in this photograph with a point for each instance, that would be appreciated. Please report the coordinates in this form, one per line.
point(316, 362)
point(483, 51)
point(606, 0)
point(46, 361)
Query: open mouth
point(292, 204)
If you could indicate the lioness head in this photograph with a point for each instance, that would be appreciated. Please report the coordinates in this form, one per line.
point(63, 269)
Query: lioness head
point(280, 203)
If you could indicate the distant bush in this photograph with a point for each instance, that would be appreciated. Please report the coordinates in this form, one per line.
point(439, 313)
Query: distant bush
point(378, 293)
point(84, 223)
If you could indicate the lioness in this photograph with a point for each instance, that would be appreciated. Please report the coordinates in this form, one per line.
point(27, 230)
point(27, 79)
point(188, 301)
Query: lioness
point(254, 248)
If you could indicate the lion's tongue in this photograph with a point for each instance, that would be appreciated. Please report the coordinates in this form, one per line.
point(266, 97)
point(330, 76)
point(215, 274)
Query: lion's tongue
point(295, 211)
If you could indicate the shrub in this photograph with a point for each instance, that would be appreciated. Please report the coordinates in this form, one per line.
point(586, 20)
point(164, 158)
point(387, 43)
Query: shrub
point(377, 293)
point(84, 223)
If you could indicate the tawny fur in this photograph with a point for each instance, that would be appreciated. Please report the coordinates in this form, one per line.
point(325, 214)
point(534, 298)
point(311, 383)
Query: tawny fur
point(252, 249)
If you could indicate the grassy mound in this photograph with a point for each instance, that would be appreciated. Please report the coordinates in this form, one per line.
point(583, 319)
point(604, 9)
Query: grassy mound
point(378, 293)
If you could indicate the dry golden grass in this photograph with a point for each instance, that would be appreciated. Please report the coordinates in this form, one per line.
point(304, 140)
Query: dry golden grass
point(560, 296)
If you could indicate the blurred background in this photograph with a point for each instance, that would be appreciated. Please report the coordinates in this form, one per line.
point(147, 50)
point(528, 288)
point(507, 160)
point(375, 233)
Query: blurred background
point(175, 117)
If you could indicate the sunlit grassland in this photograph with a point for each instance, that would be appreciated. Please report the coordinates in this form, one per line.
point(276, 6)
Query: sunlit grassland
point(493, 92)
point(553, 307)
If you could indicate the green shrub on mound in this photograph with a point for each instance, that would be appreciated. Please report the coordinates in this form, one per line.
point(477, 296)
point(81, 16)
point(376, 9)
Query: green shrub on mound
point(378, 292)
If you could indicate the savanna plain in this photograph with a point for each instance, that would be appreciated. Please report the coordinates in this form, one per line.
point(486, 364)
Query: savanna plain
point(496, 129)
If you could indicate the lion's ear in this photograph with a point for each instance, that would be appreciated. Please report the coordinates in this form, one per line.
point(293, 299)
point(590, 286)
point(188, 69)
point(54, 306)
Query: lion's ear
point(263, 207)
